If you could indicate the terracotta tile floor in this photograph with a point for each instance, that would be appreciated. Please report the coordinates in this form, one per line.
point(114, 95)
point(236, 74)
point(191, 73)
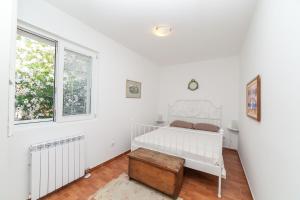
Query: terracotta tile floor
point(196, 185)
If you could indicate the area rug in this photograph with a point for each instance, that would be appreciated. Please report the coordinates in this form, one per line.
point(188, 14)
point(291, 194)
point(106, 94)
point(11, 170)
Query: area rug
point(122, 188)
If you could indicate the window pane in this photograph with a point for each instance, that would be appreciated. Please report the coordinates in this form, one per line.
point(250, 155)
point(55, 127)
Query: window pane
point(34, 77)
point(77, 83)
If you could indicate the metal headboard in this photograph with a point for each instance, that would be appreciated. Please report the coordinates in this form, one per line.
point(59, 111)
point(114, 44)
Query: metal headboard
point(195, 111)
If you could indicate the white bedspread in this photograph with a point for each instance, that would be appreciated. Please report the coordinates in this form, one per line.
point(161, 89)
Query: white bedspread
point(184, 143)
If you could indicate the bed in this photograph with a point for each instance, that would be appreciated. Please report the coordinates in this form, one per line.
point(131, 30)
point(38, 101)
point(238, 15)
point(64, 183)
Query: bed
point(202, 150)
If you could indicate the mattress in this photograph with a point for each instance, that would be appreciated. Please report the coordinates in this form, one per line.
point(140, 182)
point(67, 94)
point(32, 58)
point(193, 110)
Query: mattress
point(195, 145)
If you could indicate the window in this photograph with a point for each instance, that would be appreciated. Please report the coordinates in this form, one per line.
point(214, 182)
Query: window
point(34, 77)
point(77, 83)
point(53, 79)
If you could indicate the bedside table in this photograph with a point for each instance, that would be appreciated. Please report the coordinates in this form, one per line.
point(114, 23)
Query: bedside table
point(235, 130)
point(233, 134)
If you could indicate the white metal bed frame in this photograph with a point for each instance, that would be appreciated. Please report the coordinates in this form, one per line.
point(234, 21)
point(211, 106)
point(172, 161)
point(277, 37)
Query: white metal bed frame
point(194, 111)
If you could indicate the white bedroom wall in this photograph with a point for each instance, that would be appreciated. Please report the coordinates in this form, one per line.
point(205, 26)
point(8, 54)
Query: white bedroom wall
point(7, 20)
point(270, 150)
point(116, 64)
point(218, 81)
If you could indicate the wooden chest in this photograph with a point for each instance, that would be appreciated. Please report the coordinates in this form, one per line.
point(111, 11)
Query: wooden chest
point(157, 170)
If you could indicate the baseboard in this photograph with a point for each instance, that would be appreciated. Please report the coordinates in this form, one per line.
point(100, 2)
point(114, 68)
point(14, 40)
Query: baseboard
point(250, 187)
point(230, 148)
point(106, 162)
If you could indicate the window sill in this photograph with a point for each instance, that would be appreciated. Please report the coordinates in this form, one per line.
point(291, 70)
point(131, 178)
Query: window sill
point(50, 124)
point(36, 121)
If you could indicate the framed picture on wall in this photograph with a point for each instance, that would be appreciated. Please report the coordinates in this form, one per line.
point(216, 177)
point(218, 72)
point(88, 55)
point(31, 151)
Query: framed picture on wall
point(133, 89)
point(253, 98)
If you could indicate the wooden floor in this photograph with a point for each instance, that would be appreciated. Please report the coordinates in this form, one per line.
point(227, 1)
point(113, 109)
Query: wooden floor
point(196, 185)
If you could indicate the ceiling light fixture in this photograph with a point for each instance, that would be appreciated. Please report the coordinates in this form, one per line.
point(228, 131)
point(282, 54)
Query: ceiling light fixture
point(162, 30)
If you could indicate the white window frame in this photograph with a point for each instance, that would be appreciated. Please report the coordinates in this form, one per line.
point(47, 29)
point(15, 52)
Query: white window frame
point(45, 36)
point(59, 67)
point(60, 70)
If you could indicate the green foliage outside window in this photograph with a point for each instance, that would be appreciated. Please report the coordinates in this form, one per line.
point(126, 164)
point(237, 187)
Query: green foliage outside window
point(77, 74)
point(35, 61)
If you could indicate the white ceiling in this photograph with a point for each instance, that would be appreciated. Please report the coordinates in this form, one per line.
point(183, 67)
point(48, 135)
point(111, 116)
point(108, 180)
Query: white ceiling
point(203, 29)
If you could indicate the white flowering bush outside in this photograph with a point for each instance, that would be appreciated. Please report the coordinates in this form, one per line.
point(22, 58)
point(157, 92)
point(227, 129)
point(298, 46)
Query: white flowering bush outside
point(77, 77)
point(34, 79)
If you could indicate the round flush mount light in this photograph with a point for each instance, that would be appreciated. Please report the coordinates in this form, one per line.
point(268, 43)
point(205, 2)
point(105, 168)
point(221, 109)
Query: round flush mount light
point(162, 30)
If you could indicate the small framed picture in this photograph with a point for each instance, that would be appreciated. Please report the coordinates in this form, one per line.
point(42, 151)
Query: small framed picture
point(253, 96)
point(133, 89)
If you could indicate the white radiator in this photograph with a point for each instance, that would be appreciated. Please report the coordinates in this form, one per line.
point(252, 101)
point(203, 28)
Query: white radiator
point(55, 164)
